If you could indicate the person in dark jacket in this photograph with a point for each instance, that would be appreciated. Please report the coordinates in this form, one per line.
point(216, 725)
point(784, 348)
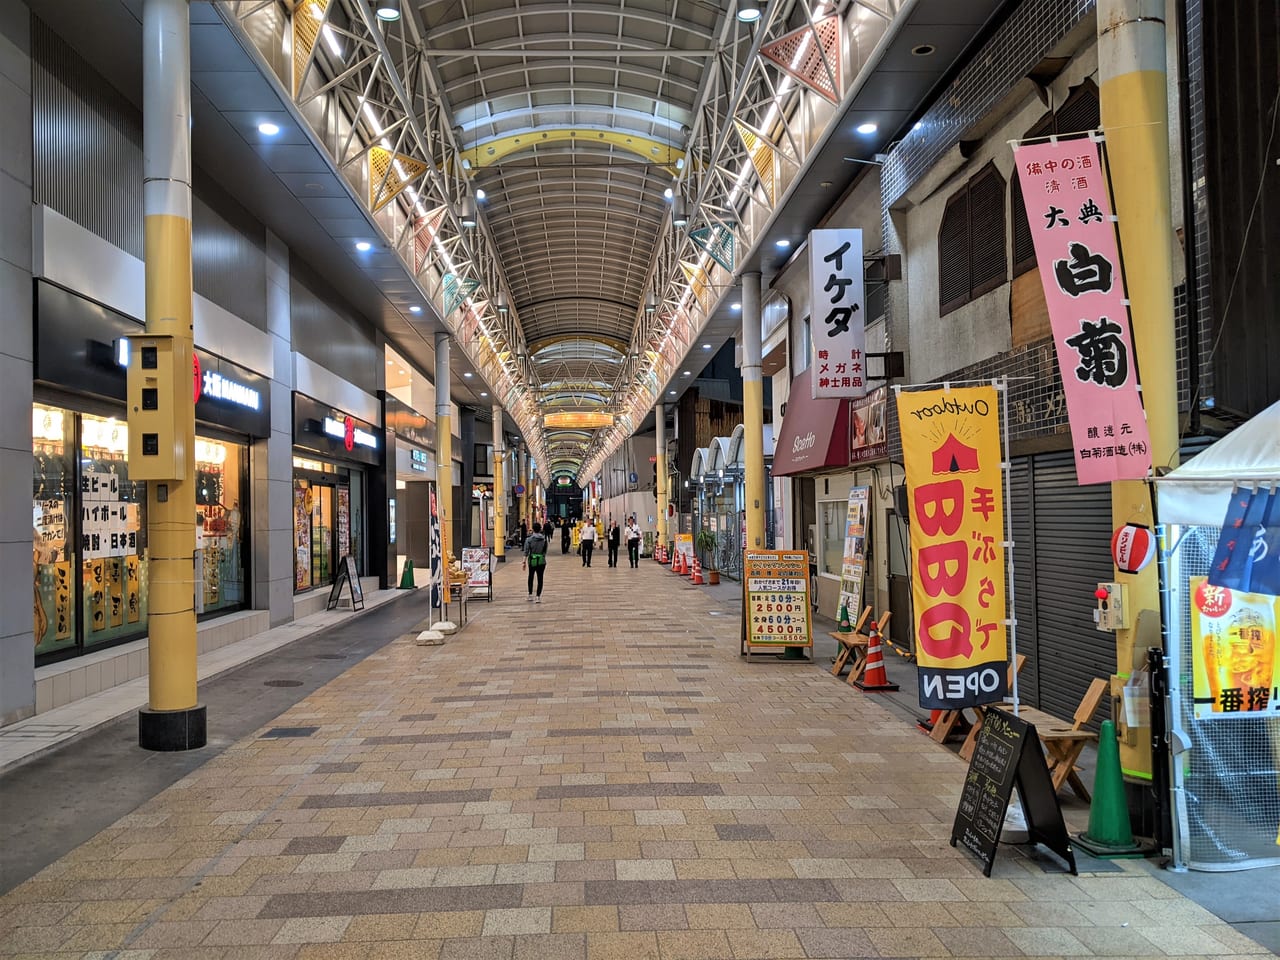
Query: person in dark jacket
point(564, 536)
point(535, 560)
point(615, 541)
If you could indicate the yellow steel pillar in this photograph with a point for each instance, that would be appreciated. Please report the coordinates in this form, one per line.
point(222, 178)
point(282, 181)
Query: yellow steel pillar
point(1135, 119)
point(161, 397)
point(522, 471)
point(753, 411)
point(499, 489)
point(444, 455)
point(660, 436)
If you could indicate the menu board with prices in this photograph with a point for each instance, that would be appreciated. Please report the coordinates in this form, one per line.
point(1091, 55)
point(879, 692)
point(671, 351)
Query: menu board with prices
point(344, 521)
point(1008, 754)
point(776, 592)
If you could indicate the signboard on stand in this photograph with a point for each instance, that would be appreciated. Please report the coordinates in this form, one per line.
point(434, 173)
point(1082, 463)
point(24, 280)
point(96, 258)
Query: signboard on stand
point(776, 595)
point(684, 545)
point(476, 563)
point(853, 568)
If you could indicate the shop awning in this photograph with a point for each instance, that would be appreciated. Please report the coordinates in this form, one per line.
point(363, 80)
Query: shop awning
point(815, 433)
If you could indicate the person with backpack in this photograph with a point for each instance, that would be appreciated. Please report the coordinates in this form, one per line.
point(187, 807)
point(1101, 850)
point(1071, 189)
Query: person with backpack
point(535, 559)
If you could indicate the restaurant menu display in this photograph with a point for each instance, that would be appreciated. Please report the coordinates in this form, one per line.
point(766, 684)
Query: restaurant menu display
point(776, 591)
point(1008, 753)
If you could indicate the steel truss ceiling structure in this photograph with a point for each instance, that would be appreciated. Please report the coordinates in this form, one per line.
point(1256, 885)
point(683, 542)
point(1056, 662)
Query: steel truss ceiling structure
point(575, 130)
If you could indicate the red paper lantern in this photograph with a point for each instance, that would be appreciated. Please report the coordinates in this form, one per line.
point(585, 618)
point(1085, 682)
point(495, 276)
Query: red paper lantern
point(1133, 546)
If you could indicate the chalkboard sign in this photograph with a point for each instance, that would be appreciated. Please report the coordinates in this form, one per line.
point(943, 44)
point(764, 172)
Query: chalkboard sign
point(1008, 754)
point(346, 574)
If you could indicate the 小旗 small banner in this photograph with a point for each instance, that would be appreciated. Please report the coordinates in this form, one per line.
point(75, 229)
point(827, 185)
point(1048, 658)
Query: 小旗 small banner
point(951, 449)
point(1069, 213)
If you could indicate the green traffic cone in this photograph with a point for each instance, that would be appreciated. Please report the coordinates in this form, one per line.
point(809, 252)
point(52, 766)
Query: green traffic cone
point(1109, 835)
point(406, 578)
point(844, 625)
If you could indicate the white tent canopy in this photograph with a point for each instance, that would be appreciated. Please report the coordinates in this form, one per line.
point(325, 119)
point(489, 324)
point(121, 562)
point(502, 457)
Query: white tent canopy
point(1197, 492)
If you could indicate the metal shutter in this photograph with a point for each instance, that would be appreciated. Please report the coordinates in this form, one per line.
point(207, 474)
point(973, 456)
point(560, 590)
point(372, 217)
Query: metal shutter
point(1072, 555)
point(1024, 597)
point(988, 255)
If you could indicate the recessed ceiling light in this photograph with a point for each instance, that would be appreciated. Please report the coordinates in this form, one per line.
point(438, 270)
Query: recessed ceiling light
point(388, 10)
point(401, 371)
point(735, 306)
point(748, 11)
point(388, 363)
point(866, 128)
point(668, 193)
point(268, 129)
point(672, 392)
point(782, 244)
point(923, 49)
point(415, 309)
point(467, 374)
point(919, 124)
point(480, 194)
point(825, 184)
point(706, 346)
point(364, 246)
point(483, 394)
point(687, 373)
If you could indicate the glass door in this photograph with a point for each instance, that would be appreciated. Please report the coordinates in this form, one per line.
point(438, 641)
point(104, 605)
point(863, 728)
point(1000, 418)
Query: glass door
point(322, 518)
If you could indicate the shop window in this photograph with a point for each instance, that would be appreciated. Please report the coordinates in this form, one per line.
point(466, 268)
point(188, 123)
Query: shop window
point(483, 456)
point(220, 471)
point(113, 534)
point(832, 515)
point(1078, 114)
point(53, 528)
point(971, 241)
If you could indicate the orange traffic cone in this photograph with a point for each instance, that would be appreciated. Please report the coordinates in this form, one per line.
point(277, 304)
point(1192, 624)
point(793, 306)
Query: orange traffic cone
point(927, 725)
point(697, 572)
point(874, 679)
point(677, 562)
point(691, 567)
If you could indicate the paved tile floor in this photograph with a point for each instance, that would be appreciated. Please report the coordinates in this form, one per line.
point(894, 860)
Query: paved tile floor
point(599, 776)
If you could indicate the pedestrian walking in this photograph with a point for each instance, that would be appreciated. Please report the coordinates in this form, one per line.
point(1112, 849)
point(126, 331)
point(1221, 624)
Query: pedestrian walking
point(535, 560)
point(615, 541)
point(633, 543)
point(524, 531)
point(588, 542)
point(564, 536)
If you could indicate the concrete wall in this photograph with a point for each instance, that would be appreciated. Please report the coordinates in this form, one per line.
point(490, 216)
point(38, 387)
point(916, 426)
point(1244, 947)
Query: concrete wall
point(17, 669)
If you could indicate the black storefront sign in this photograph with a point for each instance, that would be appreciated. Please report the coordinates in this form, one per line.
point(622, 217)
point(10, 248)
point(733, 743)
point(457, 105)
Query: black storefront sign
point(404, 421)
point(78, 348)
point(1008, 753)
point(333, 433)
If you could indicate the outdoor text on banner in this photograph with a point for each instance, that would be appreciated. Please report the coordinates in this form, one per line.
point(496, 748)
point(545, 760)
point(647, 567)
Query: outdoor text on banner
point(951, 450)
point(1069, 213)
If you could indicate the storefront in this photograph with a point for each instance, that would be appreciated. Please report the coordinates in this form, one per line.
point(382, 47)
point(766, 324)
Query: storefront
point(332, 452)
point(89, 520)
point(414, 435)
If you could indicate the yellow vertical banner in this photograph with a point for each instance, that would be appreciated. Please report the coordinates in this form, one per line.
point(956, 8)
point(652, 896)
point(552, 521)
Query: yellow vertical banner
point(951, 451)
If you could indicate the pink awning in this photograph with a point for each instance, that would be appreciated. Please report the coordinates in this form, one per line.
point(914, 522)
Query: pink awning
point(814, 434)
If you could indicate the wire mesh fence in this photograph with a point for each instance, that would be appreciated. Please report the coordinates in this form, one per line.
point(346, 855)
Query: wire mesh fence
point(1227, 784)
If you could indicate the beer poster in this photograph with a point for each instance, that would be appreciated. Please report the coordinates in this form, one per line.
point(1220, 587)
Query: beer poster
point(951, 450)
point(1233, 652)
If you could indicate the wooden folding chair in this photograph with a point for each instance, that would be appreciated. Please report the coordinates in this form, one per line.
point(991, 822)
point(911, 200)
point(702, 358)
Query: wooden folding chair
point(1063, 744)
point(951, 717)
point(848, 641)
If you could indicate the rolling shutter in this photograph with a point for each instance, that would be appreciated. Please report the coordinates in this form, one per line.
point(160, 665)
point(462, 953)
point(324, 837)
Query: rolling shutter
point(1072, 555)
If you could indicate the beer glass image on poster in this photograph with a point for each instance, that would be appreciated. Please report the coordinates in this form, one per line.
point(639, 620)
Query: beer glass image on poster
point(1233, 645)
point(951, 449)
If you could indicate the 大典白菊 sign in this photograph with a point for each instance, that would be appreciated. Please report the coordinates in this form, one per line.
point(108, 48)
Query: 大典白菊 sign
point(1068, 210)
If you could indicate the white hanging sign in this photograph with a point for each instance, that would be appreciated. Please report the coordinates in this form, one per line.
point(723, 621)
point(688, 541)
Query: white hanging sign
point(837, 313)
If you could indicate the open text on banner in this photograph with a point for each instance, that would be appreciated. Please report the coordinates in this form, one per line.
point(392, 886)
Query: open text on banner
point(951, 450)
point(1069, 213)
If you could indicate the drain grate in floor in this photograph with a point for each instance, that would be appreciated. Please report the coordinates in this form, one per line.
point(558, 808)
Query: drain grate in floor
point(281, 733)
point(282, 683)
point(331, 656)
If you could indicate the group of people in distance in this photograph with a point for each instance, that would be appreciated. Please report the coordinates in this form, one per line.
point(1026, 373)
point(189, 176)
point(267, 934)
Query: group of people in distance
point(538, 541)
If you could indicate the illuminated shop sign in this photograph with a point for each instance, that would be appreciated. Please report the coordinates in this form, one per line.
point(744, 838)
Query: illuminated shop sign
point(351, 435)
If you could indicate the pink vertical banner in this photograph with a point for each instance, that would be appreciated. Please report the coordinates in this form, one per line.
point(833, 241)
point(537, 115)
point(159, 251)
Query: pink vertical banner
point(1064, 190)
